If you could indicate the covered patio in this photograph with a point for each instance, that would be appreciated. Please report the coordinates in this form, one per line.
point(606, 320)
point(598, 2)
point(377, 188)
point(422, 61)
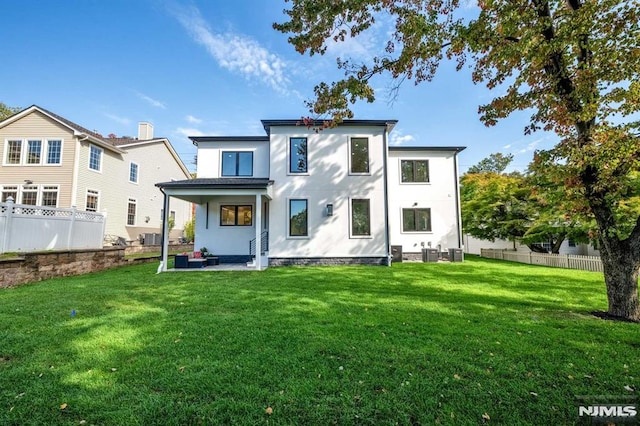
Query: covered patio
point(231, 219)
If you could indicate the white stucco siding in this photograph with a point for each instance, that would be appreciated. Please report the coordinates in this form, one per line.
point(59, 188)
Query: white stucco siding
point(210, 157)
point(328, 181)
point(438, 195)
point(219, 239)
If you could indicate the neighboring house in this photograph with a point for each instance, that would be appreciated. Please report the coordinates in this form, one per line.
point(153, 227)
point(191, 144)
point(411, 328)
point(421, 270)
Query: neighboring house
point(473, 245)
point(336, 196)
point(48, 160)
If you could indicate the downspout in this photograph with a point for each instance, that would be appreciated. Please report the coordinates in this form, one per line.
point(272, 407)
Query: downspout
point(164, 252)
point(76, 170)
point(457, 197)
point(387, 238)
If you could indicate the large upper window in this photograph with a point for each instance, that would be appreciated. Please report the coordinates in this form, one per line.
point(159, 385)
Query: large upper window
point(54, 151)
point(359, 152)
point(131, 211)
point(14, 152)
point(93, 197)
point(298, 226)
point(237, 163)
point(133, 172)
point(414, 170)
point(236, 215)
point(95, 158)
point(298, 155)
point(416, 220)
point(360, 217)
point(34, 151)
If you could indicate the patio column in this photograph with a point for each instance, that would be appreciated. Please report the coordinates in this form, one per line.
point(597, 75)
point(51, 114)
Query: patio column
point(258, 224)
point(165, 235)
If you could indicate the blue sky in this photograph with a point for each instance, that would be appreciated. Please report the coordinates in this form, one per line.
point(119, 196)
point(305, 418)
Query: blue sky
point(218, 68)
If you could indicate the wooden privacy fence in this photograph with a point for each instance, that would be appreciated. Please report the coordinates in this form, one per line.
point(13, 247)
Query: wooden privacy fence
point(30, 228)
point(569, 261)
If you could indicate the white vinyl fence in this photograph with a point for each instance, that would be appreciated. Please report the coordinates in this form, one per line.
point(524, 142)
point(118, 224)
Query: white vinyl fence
point(30, 228)
point(569, 261)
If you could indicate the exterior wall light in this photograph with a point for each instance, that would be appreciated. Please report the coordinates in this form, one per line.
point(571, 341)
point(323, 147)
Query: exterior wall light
point(329, 209)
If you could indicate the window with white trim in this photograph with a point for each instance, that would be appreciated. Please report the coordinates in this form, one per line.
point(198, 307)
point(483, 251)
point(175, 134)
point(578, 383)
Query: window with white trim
point(237, 163)
point(93, 197)
point(54, 151)
point(10, 191)
point(416, 220)
point(231, 215)
point(414, 171)
point(131, 211)
point(29, 195)
point(359, 156)
point(34, 151)
point(298, 222)
point(95, 158)
point(360, 217)
point(50, 195)
point(298, 155)
point(133, 172)
point(14, 151)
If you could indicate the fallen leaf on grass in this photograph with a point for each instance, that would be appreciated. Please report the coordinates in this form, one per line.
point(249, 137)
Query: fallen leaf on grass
point(113, 370)
point(629, 388)
point(269, 410)
point(181, 369)
point(485, 417)
point(456, 376)
point(63, 406)
point(533, 393)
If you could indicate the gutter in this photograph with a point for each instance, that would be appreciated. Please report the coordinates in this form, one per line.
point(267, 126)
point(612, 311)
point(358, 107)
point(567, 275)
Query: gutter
point(457, 197)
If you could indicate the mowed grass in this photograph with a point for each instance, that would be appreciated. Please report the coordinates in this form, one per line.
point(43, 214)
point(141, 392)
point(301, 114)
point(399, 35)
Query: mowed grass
point(464, 343)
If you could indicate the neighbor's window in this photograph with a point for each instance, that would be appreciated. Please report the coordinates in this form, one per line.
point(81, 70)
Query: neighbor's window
point(30, 195)
point(416, 220)
point(298, 226)
point(298, 155)
point(236, 215)
point(54, 151)
point(50, 195)
point(415, 170)
point(34, 151)
point(237, 163)
point(14, 151)
point(133, 172)
point(95, 158)
point(131, 211)
point(360, 217)
point(359, 155)
point(92, 200)
point(10, 191)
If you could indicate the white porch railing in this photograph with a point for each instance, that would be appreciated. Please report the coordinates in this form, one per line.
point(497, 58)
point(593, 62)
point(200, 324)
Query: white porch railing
point(30, 228)
point(569, 261)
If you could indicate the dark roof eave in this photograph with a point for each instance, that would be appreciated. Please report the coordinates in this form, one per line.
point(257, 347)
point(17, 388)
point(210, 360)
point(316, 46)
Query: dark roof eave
point(389, 124)
point(214, 184)
point(196, 139)
point(428, 148)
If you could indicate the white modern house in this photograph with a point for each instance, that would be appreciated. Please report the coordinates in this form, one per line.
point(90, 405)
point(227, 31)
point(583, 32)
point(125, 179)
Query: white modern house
point(336, 196)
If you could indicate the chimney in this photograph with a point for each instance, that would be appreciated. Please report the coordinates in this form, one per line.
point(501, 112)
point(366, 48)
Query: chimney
point(145, 130)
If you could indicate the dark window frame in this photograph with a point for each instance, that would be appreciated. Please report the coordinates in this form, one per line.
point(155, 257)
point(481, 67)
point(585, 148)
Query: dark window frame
point(306, 218)
point(415, 210)
point(367, 231)
point(237, 163)
point(414, 177)
point(351, 155)
point(305, 154)
point(236, 211)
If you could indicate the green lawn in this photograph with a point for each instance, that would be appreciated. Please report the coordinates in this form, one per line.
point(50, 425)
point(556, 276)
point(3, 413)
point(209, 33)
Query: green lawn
point(410, 344)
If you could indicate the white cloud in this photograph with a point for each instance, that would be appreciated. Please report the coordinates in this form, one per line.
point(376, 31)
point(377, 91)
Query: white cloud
point(117, 119)
point(530, 147)
point(151, 101)
point(186, 132)
point(506, 146)
point(235, 52)
point(397, 138)
point(193, 120)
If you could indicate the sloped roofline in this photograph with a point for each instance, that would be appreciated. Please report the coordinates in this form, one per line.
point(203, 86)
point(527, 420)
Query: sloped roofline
point(78, 130)
point(167, 144)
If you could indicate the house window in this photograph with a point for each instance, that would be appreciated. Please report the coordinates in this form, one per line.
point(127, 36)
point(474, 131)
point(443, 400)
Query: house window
point(30, 195)
point(416, 220)
point(571, 243)
point(131, 212)
point(237, 163)
point(9, 191)
point(92, 200)
point(298, 155)
point(14, 152)
point(34, 151)
point(298, 225)
point(50, 195)
point(359, 158)
point(360, 217)
point(54, 151)
point(95, 158)
point(414, 170)
point(236, 215)
point(133, 173)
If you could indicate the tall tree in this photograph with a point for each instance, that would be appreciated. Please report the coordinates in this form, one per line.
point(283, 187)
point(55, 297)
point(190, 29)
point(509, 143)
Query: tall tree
point(496, 162)
point(6, 111)
point(574, 63)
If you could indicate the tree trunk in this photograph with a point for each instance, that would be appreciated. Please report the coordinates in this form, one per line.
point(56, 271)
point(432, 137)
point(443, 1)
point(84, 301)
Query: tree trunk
point(621, 268)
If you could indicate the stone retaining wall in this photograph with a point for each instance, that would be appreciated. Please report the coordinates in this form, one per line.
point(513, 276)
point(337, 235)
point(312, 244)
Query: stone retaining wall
point(173, 248)
point(38, 266)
